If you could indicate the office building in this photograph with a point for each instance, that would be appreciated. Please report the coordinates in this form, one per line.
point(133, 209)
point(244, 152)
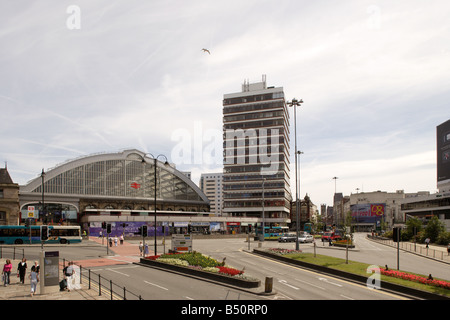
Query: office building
point(256, 153)
point(211, 185)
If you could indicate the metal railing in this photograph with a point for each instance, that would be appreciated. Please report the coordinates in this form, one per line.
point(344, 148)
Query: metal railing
point(12, 253)
point(105, 286)
point(416, 248)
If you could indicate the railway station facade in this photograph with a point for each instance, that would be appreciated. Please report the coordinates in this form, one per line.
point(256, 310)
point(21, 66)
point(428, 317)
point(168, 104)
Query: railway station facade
point(117, 188)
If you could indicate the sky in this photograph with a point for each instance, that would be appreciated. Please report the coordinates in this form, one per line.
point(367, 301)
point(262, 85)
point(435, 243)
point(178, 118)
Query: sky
point(83, 77)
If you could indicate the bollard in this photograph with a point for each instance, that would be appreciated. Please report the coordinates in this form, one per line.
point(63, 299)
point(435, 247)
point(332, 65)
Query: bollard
point(268, 285)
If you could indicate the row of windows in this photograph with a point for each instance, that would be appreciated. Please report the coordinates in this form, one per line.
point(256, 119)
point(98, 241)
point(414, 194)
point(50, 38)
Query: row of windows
point(256, 185)
point(253, 116)
point(256, 204)
point(254, 168)
point(254, 98)
point(243, 195)
point(255, 124)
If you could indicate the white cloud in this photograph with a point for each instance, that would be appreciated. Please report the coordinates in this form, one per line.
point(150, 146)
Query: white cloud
point(374, 78)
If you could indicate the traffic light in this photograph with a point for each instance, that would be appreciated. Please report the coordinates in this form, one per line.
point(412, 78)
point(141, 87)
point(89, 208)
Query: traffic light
point(103, 225)
point(396, 234)
point(249, 228)
point(144, 230)
point(44, 233)
point(108, 228)
point(189, 229)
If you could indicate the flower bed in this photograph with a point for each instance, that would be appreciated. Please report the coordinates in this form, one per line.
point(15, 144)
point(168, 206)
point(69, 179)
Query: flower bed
point(282, 252)
point(199, 264)
point(415, 278)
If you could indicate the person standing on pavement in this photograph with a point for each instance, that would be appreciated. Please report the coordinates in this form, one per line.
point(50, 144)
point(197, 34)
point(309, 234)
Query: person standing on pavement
point(140, 249)
point(34, 278)
point(146, 250)
point(7, 272)
point(21, 270)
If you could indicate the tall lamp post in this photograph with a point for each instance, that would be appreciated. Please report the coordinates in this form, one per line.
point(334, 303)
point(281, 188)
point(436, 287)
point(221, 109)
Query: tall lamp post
point(263, 218)
point(155, 160)
point(43, 204)
point(296, 103)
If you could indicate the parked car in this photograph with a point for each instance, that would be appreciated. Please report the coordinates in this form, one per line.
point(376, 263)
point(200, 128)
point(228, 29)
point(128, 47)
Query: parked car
point(287, 237)
point(330, 235)
point(306, 238)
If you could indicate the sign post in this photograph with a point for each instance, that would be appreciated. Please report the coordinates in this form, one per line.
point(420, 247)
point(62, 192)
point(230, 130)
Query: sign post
point(49, 280)
point(181, 242)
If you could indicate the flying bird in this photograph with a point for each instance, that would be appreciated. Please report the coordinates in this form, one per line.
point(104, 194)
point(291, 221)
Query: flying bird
point(206, 50)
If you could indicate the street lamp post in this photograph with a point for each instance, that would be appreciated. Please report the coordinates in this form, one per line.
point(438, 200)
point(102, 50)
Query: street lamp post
point(262, 224)
point(296, 103)
point(43, 206)
point(155, 159)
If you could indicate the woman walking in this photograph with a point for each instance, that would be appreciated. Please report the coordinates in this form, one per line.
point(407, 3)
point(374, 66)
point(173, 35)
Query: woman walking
point(34, 278)
point(21, 270)
point(7, 272)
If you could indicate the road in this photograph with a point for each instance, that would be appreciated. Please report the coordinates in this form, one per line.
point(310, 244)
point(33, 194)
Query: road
point(289, 282)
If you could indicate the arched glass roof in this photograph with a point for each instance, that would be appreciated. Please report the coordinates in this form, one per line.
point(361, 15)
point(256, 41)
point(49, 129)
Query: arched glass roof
point(129, 174)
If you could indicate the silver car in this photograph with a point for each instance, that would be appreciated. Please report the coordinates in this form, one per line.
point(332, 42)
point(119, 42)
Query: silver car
point(305, 238)
point(287, 237)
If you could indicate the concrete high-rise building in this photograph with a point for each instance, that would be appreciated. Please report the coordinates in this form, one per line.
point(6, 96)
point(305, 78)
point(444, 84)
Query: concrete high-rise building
point(211, 184)
point(256, 152)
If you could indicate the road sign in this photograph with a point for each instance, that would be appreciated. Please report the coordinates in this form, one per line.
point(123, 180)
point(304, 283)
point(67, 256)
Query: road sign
point(181, 242)
point(31, 212)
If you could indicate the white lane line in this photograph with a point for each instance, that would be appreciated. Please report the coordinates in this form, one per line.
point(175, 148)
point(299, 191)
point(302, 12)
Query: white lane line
point(124, 274)
point(156, 285)
point(287, 284)
point(346, 297)
point(310, 284)
point(189, 298)
point(327, 281)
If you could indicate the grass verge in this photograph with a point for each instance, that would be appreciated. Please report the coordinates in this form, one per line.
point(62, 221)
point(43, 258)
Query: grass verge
point(361, 269)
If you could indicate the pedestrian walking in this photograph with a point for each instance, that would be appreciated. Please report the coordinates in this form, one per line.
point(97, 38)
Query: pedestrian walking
point(34, 278)
point(7, 272)
point(115, 241)
point(121, 239)
point(146, 250)
point(140, 249)
point(21, 270)
point(427, 241)
point(70, 276)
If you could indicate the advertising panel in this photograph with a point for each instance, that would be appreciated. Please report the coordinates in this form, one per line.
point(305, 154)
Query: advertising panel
point(443, 153)
point(367, 213)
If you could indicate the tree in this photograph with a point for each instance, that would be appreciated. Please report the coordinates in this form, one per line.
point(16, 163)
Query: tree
point(434, 228)
point(412, 223)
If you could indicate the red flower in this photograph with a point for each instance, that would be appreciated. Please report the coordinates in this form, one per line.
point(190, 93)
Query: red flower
point(229, 271)
point(412, 277)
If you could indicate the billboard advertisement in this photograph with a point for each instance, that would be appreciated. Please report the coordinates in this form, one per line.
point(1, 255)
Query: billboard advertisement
point(443, 153)
point(367, 213)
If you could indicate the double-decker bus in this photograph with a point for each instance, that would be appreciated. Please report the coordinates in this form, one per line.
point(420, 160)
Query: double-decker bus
point(56, 234)
point(271, 233)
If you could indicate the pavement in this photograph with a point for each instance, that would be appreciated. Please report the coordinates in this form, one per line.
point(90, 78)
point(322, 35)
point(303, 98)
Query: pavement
point(125, 253)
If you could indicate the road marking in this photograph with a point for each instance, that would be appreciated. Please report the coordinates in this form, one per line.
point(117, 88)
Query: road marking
point(189, 298)
point(124, 274)
point(327, 281)
point(316, 273)
point(156, 285)
point(346, 297)
point(287, 284)
point(310, 284)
